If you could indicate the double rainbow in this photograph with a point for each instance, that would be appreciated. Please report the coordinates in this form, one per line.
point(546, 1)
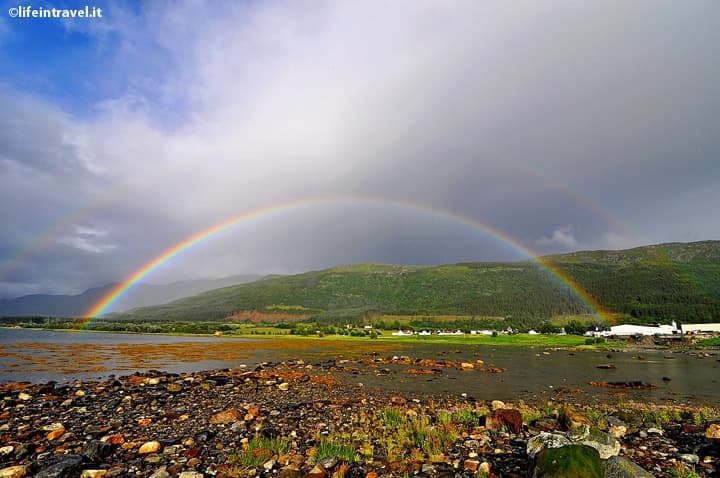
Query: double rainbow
point(101, 306)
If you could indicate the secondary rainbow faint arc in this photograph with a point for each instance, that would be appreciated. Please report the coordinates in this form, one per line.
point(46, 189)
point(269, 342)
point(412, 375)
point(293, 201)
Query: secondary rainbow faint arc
point(106, 301)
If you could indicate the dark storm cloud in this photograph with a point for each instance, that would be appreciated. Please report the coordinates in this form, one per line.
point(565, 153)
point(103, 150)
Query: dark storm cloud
point(565, 125)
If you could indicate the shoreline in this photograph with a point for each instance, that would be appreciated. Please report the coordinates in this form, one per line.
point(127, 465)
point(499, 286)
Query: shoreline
point(515, 340)
point(213, 423)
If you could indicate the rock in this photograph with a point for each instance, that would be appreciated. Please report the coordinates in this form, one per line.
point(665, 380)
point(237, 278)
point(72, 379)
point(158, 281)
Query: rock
point(290, 471)
point(6, 450)
point(617, 431)
point(605, 444)
point(690, 458)
point(227, 416)
point(571, 461)
point(484, 468)
point(96, 450)
point(161, 473)
point(504, 417)
point(654, 431)
point(191, 474)
point(545, 440)
point(284, 386)
point(471, 465)
point(14, 471)
point(547, 424)
point(24, 396)
point(174, 387)
point(149, 447)
point(55, 430)
point(60, 466)
point(93, 473)
point(713, 431)
point(497, 404)
point(571, 418)
point(317, 472)
point(329, 462)
point(619, 467)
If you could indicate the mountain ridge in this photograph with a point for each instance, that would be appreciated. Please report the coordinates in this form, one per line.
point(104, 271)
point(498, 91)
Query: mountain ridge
point(673, 281)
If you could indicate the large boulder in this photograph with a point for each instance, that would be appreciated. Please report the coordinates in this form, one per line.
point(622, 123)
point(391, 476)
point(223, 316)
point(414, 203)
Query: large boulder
point(571, 461)
point(619, 467)
point(604, 443)
point(545, 440)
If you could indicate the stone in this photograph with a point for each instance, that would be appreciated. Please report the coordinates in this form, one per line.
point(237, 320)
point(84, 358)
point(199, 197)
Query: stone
point(55, 430)
point(497, 404)
point(14, 471)
point(605, 444)
point(149, 447)
point(227, 416)
point(290, 471)
point(547, 424)
point(690, 458)
point(329, 462)
point(619, 467)
point(96, 450)
point(484, 468)
point(6, 450)
point(571, 418)
point(191, 474)
point(617, 431)
point(509, 418)
point(571, 461)
point(93, 473)
point(284, 386)
point(60, 466)
point(471, 465)
point(545, 440)
point(24, 396)
point(713, 431)
point(317, 472)
point(161, 473)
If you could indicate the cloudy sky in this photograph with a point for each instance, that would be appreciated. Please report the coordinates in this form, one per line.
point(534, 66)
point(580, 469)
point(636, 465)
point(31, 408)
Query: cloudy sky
point(373, 125)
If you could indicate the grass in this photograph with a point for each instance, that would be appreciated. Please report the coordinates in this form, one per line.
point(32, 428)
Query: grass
point(714, 342)
point(681, 470)
point(259, 450)
point(391, 417)
point(335, 446)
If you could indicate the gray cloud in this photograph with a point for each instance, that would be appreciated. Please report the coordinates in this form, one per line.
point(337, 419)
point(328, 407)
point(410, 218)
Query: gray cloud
point(564, 125)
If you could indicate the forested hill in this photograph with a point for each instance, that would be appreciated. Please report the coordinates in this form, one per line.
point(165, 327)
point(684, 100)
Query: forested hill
point(662, 282)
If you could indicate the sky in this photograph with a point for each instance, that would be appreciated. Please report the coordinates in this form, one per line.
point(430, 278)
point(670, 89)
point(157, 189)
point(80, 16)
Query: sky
point(409, 131)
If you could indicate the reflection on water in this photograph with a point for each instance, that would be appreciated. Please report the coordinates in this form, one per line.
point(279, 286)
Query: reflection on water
point(530, 373)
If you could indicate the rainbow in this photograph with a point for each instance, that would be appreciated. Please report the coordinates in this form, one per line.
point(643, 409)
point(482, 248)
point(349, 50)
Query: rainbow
point(116, 293)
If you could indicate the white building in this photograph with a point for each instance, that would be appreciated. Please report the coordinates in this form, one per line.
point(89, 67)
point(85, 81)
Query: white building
point(628, 329)
point(695, 328)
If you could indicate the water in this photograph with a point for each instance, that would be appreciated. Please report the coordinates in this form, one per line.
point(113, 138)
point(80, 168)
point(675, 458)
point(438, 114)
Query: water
point(530, 373)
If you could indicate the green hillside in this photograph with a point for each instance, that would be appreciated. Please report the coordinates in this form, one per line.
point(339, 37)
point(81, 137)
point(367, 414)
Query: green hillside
point(663, 282)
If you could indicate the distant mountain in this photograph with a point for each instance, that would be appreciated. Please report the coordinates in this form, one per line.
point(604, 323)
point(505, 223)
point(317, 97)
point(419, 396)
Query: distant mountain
point(660, 282)
point(139, 296)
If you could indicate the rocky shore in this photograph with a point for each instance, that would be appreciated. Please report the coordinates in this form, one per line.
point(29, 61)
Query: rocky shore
point(296, 419)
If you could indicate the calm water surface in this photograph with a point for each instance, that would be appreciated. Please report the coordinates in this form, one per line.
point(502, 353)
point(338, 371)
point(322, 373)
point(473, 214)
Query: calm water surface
point(531, 373)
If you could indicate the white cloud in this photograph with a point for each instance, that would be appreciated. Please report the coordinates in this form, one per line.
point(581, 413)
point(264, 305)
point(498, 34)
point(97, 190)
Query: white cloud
point(562, 236)
point(84, 244)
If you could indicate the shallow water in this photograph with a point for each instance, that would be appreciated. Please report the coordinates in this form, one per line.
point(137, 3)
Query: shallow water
point(530, 373)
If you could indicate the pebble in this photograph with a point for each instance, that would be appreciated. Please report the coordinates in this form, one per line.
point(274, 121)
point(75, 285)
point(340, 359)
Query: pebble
point(149, 447)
